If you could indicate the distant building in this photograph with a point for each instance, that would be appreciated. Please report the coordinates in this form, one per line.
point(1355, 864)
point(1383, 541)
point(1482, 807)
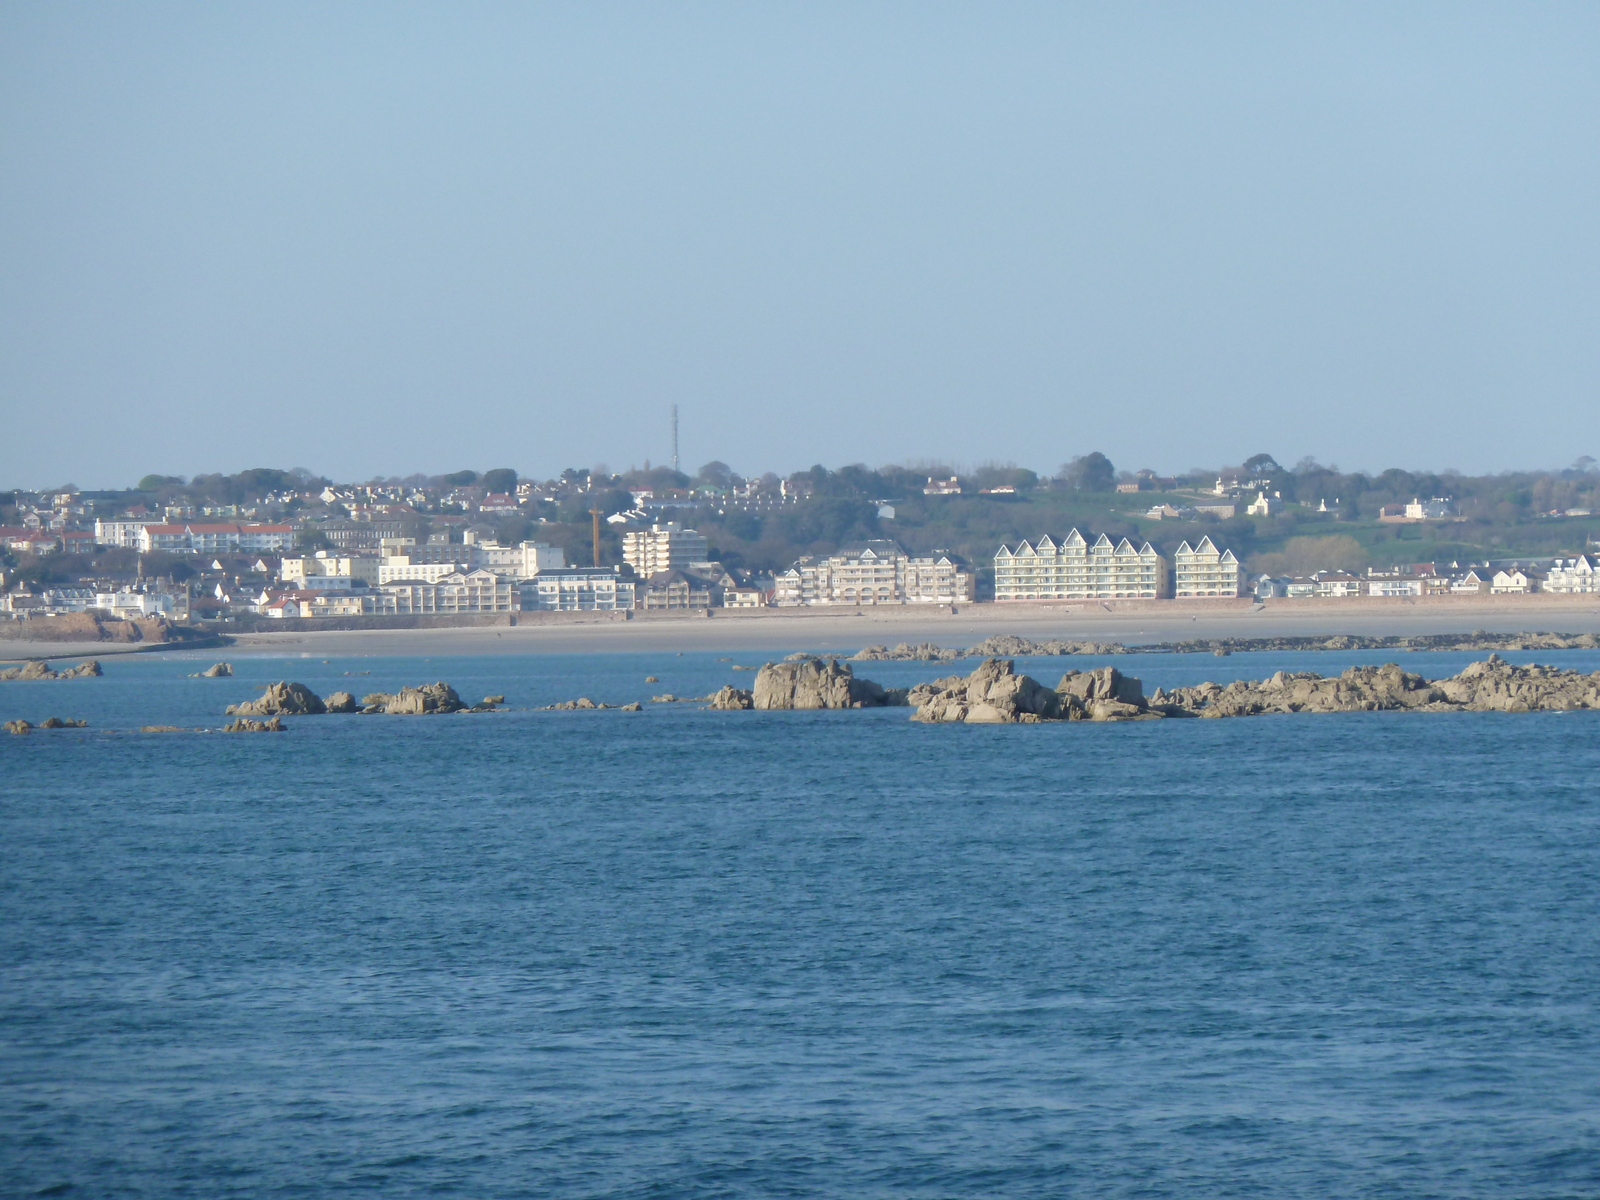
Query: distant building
point(679, 589)
point(662, 547)
point(875, 572)
point(477, 591)
point(199, 538)
point(943, 487)
point(316, 570)
point(1072, 569)
point(522, 561)
point(1264, 506)
point(400, 568)
point(1570, 576)
point(1204, 571)
point(579, 589)
point(1514, 581)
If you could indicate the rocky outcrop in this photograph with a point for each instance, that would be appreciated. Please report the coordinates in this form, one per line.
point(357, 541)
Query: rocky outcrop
point(39, 669)
point(246, 725)
point(491, 701)
point(1006, 645)
point(59, 723)
point(280, 699)
point(993, 694)
point(428, 699)
point(635, 706)
point(341, 702)
point(812, 683)
point(569, 705)
point(1493, 685)
point(905, 652)
point(731, 699)
point(216, 671)
point(18, 726)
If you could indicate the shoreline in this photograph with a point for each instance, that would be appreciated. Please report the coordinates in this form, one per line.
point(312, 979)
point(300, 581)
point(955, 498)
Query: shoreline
point(843, 632)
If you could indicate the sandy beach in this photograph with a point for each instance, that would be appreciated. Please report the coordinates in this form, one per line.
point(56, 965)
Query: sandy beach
point(791, 630)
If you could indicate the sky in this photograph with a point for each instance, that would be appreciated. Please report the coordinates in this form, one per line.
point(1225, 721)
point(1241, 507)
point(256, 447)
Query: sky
point(378, 239)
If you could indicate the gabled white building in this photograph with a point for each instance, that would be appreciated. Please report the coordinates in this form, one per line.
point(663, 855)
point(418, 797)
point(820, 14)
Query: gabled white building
point(1572, 575)
point(1072, 569)
point(1205, 571)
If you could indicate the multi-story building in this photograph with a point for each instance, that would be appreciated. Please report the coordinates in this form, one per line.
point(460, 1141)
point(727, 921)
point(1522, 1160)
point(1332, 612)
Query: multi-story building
point(477, 591)
point(662, 548)
point(680, 589)
point(579, 589)
point(197, 538)
point(1072, 569)
point(324, 570)
point(522, 561)
point(1205, 571)
point(875, 572)
point(399, 568)
point(1572, 575)
point(125, 534)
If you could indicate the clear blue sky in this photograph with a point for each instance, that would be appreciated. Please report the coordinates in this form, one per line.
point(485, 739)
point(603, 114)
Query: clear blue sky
point(386, 238)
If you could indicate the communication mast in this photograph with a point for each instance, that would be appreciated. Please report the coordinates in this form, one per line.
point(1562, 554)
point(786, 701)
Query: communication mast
point(674, 437)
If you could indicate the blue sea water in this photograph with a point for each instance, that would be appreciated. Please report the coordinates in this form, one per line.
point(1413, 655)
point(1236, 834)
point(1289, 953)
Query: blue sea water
point(684, 953)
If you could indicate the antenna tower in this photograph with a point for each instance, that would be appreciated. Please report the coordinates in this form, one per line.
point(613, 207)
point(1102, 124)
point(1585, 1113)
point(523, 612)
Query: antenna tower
point(674, 437)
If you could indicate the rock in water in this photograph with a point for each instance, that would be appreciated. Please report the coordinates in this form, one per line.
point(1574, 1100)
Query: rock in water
point(342, 702)
point(731, 699)
point(634, 707)
point(18, 726)
point(813, 683)
point(425, 700)
point(246, 725)
point(217, 671)
point(993, 694)
point(281, 699)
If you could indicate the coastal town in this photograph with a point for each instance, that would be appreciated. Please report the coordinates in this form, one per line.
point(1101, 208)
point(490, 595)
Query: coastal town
point(291, 547)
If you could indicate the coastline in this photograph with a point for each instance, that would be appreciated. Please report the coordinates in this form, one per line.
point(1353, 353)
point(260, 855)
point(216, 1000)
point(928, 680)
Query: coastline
point(846, 631)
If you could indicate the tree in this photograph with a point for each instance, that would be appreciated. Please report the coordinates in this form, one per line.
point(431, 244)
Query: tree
point(154, 483)
point(1090, 472)
point(715, 474)
point(461, 478)
point(1262, 465)
point(501, 479)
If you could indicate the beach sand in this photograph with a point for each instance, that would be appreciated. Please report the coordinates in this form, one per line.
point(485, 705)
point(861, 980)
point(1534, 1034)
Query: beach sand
point(846, 631)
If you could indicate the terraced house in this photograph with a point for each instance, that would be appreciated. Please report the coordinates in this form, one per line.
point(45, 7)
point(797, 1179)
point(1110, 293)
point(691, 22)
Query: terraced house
point(1072, 569)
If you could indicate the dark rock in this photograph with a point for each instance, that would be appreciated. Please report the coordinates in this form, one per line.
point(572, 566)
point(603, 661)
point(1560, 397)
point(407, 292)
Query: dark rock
point(246, 725)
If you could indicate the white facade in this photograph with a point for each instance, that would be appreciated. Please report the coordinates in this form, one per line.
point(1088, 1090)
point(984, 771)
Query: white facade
point(579, 589)
point(663, 548)
point(120, 533)
point(477, 591)
point(196, 538)
point(318, 571)
point(1570, 576)
point(1072, 569)
point(1204, 571)
point(875, 572)
point(399, 568)
point(522, 561)
point(1514, 581)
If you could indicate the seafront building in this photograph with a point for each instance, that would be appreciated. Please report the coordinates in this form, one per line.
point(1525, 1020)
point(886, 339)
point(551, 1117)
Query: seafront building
point(663, 547)
point(1204, 571)
point(1570, 576)
point(579, 589)
point(1072, 569)
point(872, 573)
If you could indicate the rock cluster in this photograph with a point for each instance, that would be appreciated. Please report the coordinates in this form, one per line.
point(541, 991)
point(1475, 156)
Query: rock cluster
point(39, 669)
point(215, 671)
point(19, 726)
point(568, 705)
point(813, 683)
point(731, 699)
point(905, 652)
point(1493, 685)
point(280, 699)
point(246, 725)
point(341, 702)
point(425, 700)
point(995, 693)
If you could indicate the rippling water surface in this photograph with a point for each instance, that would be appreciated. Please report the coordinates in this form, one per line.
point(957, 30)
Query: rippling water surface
point(683, 953)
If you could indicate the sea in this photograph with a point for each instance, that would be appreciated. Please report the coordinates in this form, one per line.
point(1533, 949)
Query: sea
point(684, 953)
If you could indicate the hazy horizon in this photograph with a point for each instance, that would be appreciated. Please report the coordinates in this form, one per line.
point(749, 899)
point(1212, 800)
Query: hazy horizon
point(379, 240)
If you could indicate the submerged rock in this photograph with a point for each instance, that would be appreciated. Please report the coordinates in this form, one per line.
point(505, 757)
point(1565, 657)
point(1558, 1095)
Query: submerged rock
point(813, 683)
point(280, 699)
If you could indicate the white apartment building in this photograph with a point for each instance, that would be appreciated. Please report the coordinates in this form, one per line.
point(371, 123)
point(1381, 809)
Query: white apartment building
point(663, 548)
point(579, 589)
point(197, 538)
point(398, 568)
point(1570, 576)
point(875, 572)
point(477, 591)
point(522, 561)
point(1072, 569)
point(1204, 571)
point(120, 533)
